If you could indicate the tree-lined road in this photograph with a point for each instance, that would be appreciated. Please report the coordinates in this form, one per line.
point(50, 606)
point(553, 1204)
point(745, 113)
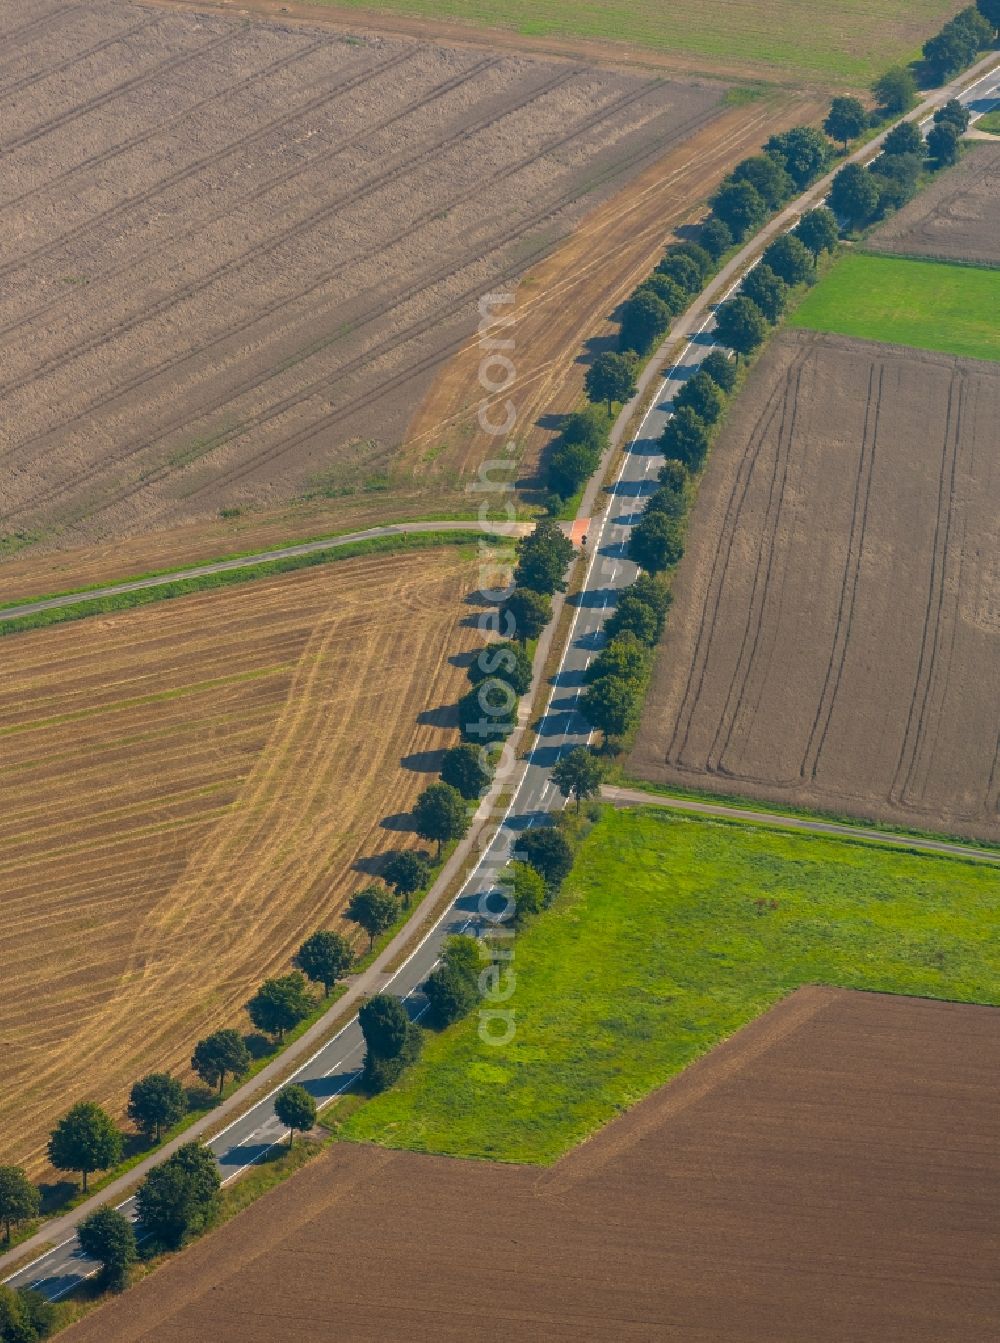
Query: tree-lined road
point(333, 1066)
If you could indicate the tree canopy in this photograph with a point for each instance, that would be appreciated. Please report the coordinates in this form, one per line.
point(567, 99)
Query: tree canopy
point(685, 438)
point(854, 194)
point(645, 320)
point(296, 1109)
point(818, 231)
point(374, 909)
point(703, 395)
point(324, 957)
point(107, 1236)
point(441, 814)
point(19, 1198)
point(612, 706)
point(525, 613)
point(767, 290)
point(741, 208)
point(155, 1102)
point(720, 368)
point(407, 872)
point(612, 377)
point(467, 769)
point(180, 1197)
point(280, 1004)
point(803, 151)
point(741, 325)
point(896, 91)
point(219, 1055)
point(507, 661)
point(578, 774)
point(789, 259)
point(655, 542)
point(85, 1140)
point(845, 120)
point(543, 557)
point(548, 851)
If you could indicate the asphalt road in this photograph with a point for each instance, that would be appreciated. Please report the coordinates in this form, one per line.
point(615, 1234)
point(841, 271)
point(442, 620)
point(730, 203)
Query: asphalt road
point(336, 1064)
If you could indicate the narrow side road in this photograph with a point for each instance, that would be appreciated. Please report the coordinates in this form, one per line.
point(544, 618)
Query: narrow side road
point(637, 797)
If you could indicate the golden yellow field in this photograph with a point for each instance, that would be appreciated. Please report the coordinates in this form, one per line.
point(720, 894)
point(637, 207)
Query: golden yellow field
point(184, 793)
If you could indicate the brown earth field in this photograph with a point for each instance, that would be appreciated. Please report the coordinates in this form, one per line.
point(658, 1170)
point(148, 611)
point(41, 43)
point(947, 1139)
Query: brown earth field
point(955, 218)
point(829, 1173)
point(835, 636)
point(233, 253)
point(186, 790)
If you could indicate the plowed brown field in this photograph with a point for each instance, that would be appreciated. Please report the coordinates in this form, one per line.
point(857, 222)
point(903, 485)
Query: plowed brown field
point(234, 253)
point(185, 790)
point(835, 640)
point(955, 218)
point(813, 1178)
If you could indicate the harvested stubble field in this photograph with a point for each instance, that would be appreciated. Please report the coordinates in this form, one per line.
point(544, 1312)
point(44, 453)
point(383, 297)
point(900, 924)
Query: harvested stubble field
point(185, 790)
point(835, 638)
point(235, 253)
point(955, 217)
point(812, 1178)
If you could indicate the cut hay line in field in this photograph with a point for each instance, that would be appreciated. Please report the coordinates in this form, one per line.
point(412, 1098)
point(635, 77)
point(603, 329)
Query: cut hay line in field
point(835, 641)
point(162, 851)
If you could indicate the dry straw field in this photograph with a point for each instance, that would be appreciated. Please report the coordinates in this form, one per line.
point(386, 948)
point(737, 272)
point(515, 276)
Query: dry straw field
point(233, 254)
point(835, 640)
point(185, 791)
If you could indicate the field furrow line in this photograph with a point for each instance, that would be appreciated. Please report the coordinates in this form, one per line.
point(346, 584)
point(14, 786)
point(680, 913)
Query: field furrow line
point(259, 250)
point(917, 724)
point(255, 381)
point(15, 34)
point(100, 221)
point(28, 80)
point(100, 99)
point(851, 576)
point(763, 584)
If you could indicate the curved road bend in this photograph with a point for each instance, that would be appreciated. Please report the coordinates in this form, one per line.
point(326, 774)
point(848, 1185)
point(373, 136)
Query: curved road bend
point(336, 1064)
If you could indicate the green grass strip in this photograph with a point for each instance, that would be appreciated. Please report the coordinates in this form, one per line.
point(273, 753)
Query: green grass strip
point(126, 601)
point(657, 950)
point(930, 305)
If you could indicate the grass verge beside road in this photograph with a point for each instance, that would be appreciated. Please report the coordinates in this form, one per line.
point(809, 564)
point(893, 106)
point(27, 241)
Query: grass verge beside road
point(659, 948)
point(929, 305)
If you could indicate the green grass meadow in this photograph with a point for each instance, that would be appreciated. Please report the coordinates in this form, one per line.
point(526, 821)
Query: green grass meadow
point(930, 305)
point(846, 41)
point(989, 123)
point(656, 951)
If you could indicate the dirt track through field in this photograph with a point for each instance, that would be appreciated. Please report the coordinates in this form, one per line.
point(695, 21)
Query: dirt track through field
point(955, 218)
point(810, 1178)
point(835, 640)
point(186, 790)
point(236, 253)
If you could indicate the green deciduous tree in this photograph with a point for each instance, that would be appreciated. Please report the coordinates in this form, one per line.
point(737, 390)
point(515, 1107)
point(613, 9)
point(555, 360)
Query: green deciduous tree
point(107, 1236)
point(506, 661)
point(854, 194)
point(953, 113)
point(374, 909)
point(525, 613)
point(452, 988)
point(684, 271)
point(296, 1109)
point(645, 321)
point(904, 139)
point(441, 814)
point(716, 237)
point(895, 91)
point(85, 1140)
point(685, 438)
point(641, 610)
point(179, 1198)
point(802, 151)
point(488, 712)
point(721, 369)
point(156, 1101)
point(467, 768)
point(943, 143)
point(655, 543)
point(220, 1055)
point(280, 1004)
point(548, 851)
point(741, 325)
point(670, 502)
point(19, 1199)
point(702, 394)
point(612, 377)
point(666, 290)
point(24, 1316)
point(526, 886)
point(612, 706)
point(624, 656)
point(391, 1041)
point(324, 958)
point(407, 872)
point(767, 290)
point(577, 451)
point(789, 259)
point(741, 208)
point(578, 774)
point(990, 10)
point(767, 175)
point(846, 119)
point(543, 557)
point(817, 229)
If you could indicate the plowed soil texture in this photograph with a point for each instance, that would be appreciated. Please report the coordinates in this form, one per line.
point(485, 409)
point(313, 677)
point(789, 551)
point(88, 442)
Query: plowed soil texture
point(233, 253)
point(186, 792)
point(835, 638)
point(829, 1173)
point(955, 218)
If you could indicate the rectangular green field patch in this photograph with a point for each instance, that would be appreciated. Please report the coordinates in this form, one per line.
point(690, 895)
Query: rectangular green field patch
point(672, 933)
point(930, 305)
